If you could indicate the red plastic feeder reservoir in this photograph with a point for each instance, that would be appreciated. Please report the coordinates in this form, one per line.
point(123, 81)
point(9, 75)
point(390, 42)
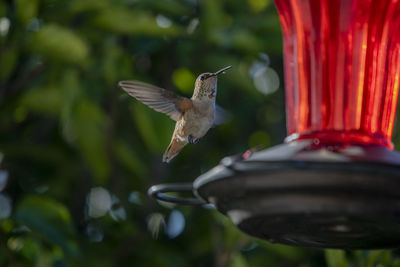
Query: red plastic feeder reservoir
point(335, 182)
point(342, 66)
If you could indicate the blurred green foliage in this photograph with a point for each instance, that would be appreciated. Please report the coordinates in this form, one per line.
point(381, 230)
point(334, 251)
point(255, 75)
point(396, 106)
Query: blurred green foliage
point(66, 128)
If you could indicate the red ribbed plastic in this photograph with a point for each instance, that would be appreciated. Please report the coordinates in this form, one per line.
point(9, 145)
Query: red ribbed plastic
point(342, 67)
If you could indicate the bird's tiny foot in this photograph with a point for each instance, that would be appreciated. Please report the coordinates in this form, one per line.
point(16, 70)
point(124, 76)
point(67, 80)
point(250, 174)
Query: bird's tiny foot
point(193, 140)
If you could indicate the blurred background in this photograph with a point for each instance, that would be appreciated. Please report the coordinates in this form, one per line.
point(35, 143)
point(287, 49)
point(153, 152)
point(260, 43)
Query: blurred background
point(78, 154)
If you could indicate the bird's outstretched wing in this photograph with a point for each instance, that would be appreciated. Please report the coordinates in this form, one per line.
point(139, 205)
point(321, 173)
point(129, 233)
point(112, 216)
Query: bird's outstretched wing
point(221, 116)
point(158, 98)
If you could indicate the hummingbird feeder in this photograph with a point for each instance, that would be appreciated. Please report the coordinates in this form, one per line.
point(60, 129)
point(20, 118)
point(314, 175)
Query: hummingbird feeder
point(335, 182)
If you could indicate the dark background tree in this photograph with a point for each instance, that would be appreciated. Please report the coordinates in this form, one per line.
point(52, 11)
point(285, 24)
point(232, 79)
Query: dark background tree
point(78, 154)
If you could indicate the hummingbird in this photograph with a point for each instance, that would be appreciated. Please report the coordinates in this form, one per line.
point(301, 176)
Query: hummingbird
point(194, 116)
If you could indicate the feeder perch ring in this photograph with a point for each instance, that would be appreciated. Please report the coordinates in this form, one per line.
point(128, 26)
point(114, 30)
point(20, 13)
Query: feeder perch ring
point(157, 191)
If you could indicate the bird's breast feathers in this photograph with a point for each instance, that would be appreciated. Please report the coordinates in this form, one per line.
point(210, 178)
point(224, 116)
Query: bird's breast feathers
point(197, 121)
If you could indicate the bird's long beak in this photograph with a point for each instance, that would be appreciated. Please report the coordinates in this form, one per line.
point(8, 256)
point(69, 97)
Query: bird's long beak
point(221, 71)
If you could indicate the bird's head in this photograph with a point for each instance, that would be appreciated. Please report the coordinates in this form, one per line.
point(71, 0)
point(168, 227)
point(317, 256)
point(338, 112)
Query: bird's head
point(206, 83)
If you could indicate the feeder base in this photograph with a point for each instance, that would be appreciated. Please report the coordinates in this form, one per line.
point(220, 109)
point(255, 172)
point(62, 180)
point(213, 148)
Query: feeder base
point(323, 198)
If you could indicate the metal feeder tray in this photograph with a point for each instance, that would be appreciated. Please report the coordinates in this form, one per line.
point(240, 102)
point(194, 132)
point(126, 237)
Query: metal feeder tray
point(305, 195)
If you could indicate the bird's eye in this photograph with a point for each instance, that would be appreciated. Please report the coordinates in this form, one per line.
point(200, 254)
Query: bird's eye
point(202, 78)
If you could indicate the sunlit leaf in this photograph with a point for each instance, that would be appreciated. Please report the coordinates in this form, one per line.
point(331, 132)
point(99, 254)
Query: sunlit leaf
point(284, 251)
point(336, 258)
point(184, 79)
point(30, 249)
point(238, 261)
point(258, 5)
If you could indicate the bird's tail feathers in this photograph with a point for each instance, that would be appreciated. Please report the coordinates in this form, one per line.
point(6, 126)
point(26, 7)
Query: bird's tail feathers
point(173, 149)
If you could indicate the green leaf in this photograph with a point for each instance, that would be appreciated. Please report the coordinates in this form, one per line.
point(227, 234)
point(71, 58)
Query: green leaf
point(169, 7)
point(45, 100)
point(184, 79)
point(129, 158)
point(84, 124)
point(77, 6)
point(245, 40)
point(213, 17)
point(60, 44)
point(48, 218)
point(284, 251)
point(259, 138)
point(336, 258)
point(145, 126)
point(71, 91)
point(132, 22)
point(113, 56)
point(26, 9)
point(3, 9)
point(9, 60)
point(89, 126)
point(238, 261)
point(258, 5)
point(30, 249)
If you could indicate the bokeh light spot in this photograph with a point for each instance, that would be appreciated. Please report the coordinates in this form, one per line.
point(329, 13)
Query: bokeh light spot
point(34, 25)
point(163, 22)
point(5, 206)
point(99, 202)
point(15, 243)
point(266, 80)
point(154, 223)
point(118, 214)
point(4, 26)
point(134, 197)
point(175, 225)
point(3, 179)
point(193, 25)
point(95, 233)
